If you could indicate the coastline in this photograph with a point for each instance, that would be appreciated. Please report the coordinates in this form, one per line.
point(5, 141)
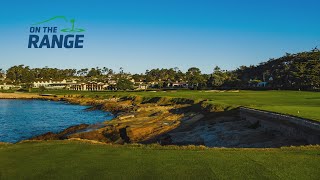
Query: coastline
point(165, 121)
point(17, 95)
point(129, 124)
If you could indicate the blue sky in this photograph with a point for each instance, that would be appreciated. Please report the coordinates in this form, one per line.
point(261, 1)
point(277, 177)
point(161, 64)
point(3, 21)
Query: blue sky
point(144, 34)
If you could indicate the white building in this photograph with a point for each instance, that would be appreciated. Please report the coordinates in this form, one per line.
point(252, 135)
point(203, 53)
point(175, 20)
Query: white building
point(53, 84)
point(8, 86)
point(179, 84)
point(89, 86)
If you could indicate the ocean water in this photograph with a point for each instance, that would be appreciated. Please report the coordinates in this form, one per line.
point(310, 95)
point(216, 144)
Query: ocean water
point(23, 119)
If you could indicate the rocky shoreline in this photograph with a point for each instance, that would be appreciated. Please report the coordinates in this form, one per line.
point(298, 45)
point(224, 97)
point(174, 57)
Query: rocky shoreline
point(166, 121)
point(27, 96)
point(135, 121)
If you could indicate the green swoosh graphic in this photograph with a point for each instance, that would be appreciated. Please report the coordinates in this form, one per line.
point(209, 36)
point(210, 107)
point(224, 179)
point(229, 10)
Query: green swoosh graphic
point(53, 18)
point(73, 29)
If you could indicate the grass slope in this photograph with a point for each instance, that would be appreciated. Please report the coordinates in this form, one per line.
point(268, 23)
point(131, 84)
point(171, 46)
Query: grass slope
point(296, 103)
point(79, 160)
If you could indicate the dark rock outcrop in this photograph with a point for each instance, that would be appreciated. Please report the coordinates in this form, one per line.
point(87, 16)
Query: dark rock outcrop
point(62, 135)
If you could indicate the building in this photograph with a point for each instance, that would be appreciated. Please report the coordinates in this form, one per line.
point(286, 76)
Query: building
point(262, 84)
point(179, 85)
point(6, 86)
point(89, 86)
point(50, 84)
point(153, 84)
point(112, 82)
point(141, 86)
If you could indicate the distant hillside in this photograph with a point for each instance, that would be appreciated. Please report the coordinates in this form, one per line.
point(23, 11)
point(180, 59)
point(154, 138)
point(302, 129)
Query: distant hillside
point(292, 71)
point(299, 71)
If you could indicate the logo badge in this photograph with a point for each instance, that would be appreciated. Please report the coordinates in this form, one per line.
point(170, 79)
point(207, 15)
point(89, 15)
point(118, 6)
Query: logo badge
point(50, 39)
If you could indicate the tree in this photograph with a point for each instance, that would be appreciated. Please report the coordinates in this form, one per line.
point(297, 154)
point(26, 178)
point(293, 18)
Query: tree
point(82, 72)
point(110, 72)
point(124, 84)
point(105, 70)
point(21, 74)
point(218, 77)
point(1, 72)
point(94, 72)
point(194, 77)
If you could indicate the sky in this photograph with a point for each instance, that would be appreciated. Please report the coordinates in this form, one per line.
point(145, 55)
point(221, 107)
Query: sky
point(145, 34)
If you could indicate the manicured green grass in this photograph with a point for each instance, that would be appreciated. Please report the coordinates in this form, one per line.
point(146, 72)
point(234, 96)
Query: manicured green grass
point(79, 160)
point(296, 103)
point(6, 91)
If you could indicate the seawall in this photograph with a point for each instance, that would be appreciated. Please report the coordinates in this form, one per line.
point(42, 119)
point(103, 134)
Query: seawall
point(290, 126)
